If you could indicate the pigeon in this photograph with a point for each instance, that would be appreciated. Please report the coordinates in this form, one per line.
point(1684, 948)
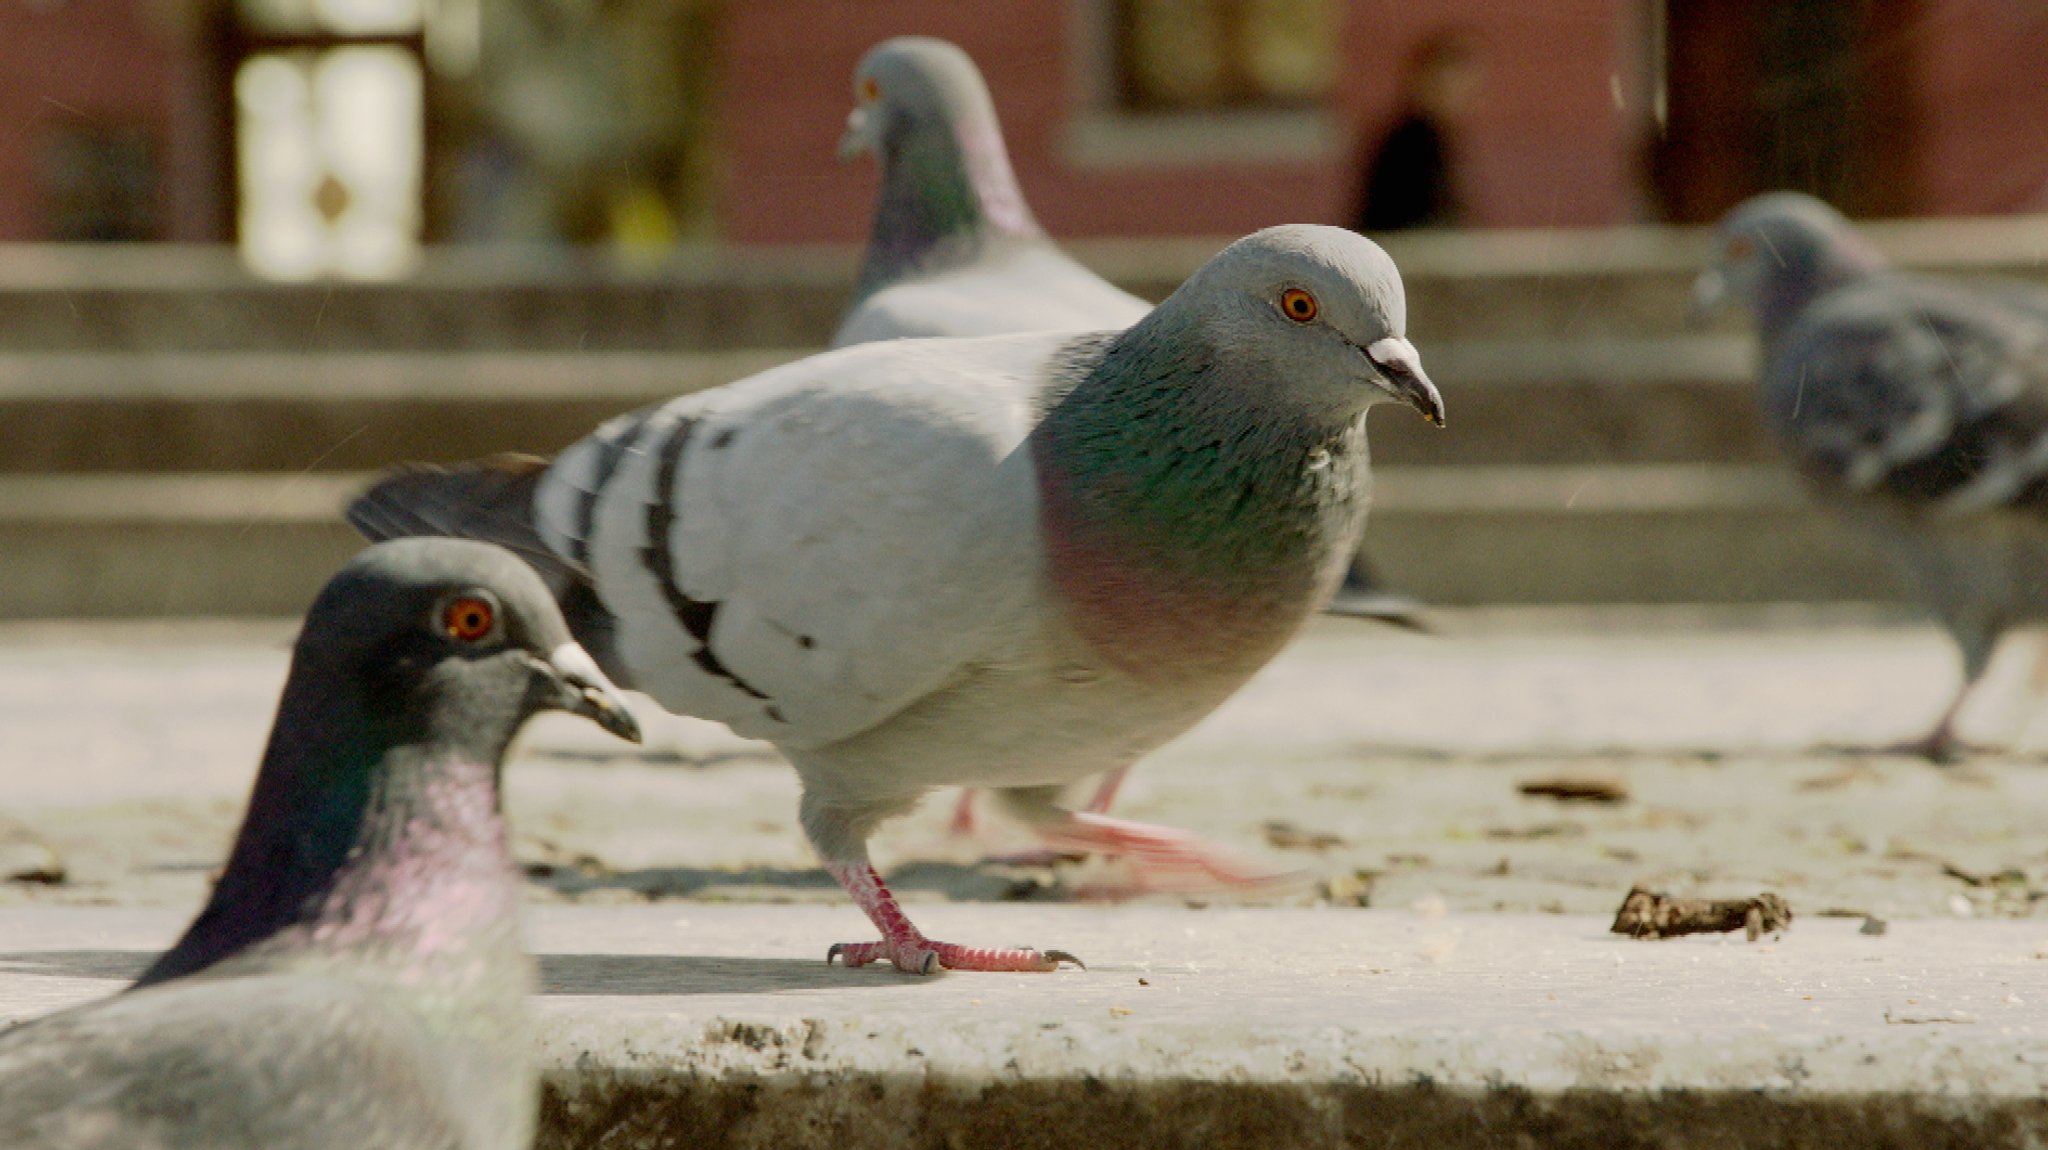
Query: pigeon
point(1008, 561)
point(954, 251)
point(357, 979)
point(1915, 408)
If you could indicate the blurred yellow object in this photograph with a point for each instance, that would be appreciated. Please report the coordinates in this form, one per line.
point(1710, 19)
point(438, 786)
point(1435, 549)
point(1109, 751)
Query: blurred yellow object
point(643, 229)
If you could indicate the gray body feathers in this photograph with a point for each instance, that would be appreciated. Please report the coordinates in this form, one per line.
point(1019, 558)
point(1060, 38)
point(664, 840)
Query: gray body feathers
point(174, 1067)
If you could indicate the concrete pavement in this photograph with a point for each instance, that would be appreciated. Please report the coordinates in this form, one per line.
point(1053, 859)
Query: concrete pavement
point(1384, 762)
point(720, 1026)
point(683, 921)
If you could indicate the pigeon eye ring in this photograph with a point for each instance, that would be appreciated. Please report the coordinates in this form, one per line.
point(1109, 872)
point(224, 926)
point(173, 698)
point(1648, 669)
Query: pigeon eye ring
point(1298, 305)
point(469, 617)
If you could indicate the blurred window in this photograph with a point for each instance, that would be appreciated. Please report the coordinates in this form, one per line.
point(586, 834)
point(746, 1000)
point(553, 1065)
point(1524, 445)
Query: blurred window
point(330, 136)
point(1195, 55)
point(335, 17)
point(329, 151)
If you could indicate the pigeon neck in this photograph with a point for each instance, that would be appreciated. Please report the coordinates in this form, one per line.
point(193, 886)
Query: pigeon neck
point(1787, 294)
point(364, 841)
point(946, 194)
point(1193, 516)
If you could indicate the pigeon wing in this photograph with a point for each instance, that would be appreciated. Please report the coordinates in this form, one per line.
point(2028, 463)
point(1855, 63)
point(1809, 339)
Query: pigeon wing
point(1931, 395)
point(805, 553)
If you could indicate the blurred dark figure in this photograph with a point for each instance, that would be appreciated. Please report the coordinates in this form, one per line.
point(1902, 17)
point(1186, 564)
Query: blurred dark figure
point(1407, 181)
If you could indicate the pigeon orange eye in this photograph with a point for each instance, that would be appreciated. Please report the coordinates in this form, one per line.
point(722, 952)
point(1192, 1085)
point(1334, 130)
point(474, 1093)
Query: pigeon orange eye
point(468, 618)
point(870, 89)
point(1299, 305)
point(1740, 247)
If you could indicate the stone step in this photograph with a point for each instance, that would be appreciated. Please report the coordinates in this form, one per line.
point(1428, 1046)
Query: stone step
point(1510, 401)
point(260, 544)
point(1650, 533)
point(346, 411)
point(719, 1026)
point(1619, 282)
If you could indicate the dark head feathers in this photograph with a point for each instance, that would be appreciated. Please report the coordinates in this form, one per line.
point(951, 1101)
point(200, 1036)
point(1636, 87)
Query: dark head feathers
point(388, 614)
point(419, 662)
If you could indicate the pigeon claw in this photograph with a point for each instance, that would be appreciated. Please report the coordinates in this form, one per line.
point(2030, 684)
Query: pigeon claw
point(922, 956)
point(913, 957)
point(1940, 748)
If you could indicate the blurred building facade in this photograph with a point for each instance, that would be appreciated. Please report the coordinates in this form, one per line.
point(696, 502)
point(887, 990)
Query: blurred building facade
point(330, 131)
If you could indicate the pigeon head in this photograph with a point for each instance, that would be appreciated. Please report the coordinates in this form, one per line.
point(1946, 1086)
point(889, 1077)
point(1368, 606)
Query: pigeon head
point(1319, 307)
point(1776, 252)
point(450, 642)
point(922, 110)
point(911, 87)
point(374, 821)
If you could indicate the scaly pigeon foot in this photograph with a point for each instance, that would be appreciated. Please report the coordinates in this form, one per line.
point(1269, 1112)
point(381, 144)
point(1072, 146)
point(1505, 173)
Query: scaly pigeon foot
point(1941, 747)
point(908, 949)
point(916, 954)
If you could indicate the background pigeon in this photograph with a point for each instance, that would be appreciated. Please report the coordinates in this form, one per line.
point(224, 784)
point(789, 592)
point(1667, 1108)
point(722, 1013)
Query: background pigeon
point(1915, 407)
point(1013, 561)
point(357, 978)
point(954, 251)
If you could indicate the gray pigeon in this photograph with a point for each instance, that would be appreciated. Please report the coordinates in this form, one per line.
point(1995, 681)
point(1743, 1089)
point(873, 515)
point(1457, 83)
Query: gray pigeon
point(1915, 407)
point(357, 979)
point(1012, 561)
point(954, 250)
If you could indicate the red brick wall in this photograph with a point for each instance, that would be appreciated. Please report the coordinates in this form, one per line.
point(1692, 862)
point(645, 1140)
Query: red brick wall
point(1545, 144)
point(1984, 107)
point(67, 59)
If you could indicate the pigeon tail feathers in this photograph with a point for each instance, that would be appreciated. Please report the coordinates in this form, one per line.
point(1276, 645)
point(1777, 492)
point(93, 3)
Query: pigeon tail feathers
point(490, 500)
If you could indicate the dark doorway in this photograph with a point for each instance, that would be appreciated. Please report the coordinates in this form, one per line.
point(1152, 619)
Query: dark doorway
point(1763, 95)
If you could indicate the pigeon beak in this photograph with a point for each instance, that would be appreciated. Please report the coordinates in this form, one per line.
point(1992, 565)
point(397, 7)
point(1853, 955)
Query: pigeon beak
point(1400, 371)
point(1707, 293)
point(586, 692)
point(858, 139)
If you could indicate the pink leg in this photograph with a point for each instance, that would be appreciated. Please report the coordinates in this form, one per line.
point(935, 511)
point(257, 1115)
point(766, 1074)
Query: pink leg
point(1941, 745)
point(963, 814)
point(963, 823)
point(1106, 793)
point(1166, 859)
point(907, 948)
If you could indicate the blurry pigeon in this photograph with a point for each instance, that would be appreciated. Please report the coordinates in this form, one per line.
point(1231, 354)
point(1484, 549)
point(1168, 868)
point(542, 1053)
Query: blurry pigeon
point(1915, 407)
point(954, 251)
point(357, 978)
point(1012, 561)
